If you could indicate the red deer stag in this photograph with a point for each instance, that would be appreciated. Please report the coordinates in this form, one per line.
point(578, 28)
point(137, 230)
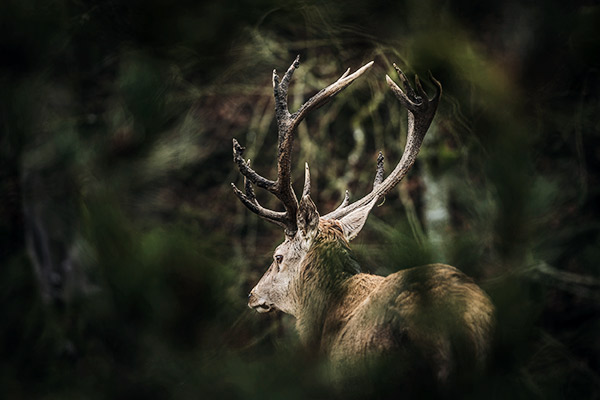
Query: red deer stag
point(432, 315)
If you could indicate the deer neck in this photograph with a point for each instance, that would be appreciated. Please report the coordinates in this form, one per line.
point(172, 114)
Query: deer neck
point(322, 289)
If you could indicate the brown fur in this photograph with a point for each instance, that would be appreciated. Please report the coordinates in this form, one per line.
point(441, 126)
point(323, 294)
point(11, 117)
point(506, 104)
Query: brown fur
point(433, 315)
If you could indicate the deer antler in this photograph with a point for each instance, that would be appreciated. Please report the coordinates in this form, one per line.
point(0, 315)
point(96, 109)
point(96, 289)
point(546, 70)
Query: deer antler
point(421, 110)
point(286, 125)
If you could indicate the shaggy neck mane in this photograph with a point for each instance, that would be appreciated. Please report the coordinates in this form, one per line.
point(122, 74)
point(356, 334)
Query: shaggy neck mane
point(321, 286)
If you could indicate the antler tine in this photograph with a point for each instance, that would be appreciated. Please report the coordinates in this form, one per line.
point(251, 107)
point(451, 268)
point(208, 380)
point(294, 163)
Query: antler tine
point(249, 173)
point(405, 81)
point(421, 111)
point(249, 200)
point(285, 82)
point(280, 92)
point(380, 171)
point(325, 95)
point(344, 203)
point(248, 185)
point(306, 190)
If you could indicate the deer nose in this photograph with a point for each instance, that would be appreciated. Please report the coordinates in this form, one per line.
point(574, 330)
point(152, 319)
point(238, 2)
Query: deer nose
point(251, 298)
point(258, 304)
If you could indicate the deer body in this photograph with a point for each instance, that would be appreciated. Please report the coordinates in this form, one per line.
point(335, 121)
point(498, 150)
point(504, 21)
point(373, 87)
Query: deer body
point(429, 312)
point(431, 319)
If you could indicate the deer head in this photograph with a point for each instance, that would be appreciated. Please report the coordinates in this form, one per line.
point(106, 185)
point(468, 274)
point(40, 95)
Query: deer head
point(301, 220)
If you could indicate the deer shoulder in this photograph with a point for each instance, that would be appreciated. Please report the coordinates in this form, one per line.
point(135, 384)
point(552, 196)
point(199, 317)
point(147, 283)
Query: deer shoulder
point(432, 312)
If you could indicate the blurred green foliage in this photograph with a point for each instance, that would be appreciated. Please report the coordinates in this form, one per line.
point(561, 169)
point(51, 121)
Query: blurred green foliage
point(125, 258)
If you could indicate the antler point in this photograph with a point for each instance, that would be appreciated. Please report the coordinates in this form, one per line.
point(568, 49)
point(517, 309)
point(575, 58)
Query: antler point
point(306, 189)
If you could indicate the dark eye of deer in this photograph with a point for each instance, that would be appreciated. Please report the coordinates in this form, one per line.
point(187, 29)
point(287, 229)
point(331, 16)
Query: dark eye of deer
point(278, 259)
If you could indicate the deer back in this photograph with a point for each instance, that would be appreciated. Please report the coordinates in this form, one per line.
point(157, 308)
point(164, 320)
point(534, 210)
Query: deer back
point(433, 316)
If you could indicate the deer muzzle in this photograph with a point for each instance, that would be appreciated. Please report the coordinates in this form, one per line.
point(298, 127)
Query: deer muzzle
point(258, 303)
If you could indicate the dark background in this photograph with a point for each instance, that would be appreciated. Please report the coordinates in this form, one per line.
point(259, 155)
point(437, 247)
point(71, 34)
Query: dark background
point(125, 258)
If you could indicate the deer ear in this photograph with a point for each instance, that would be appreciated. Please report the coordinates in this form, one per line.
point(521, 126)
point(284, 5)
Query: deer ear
point(308, 217)
point(353, 222)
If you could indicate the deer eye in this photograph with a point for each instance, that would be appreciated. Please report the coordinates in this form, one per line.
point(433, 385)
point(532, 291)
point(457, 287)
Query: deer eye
point(278, 258)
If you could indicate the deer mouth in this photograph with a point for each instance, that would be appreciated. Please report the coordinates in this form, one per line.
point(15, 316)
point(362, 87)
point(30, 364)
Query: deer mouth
point(259, 305)
point(263, 308)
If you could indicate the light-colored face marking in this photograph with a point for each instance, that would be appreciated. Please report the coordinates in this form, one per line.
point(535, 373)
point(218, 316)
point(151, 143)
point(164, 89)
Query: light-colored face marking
point(273, 291)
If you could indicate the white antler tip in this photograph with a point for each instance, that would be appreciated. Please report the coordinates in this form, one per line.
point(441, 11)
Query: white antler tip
point(366, 66)
point(392, 84)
